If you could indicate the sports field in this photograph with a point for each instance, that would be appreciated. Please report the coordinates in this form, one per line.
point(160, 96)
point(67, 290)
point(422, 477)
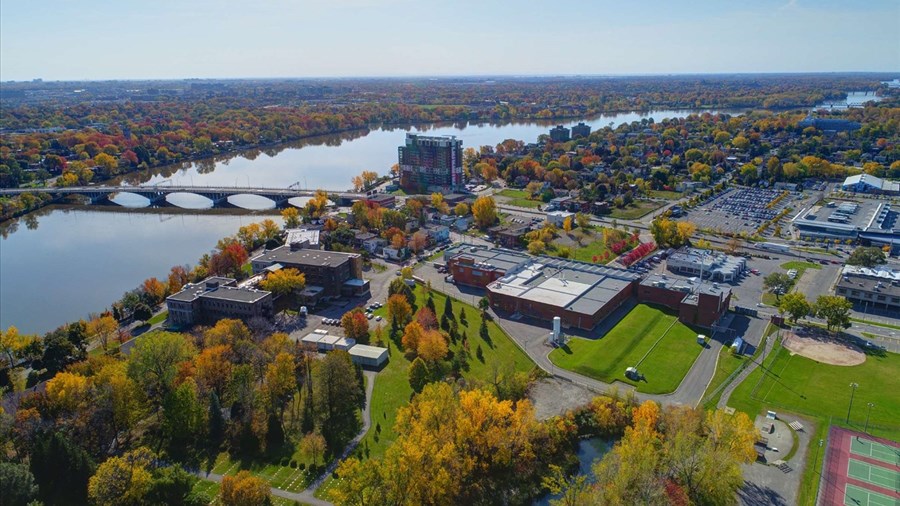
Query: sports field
point(670, 348)
point(789, 382)
point(859, 470)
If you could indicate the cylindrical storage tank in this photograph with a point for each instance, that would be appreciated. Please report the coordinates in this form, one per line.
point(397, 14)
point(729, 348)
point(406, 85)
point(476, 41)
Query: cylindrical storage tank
point(556, 327)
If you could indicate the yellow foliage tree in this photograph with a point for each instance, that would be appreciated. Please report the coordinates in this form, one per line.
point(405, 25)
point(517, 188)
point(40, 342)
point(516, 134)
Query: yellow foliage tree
point(484, 211)
point(244, 489)
point(122, 480)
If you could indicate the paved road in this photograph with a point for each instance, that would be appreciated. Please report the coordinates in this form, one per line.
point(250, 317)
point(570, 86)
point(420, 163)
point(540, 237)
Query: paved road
point(307, 496)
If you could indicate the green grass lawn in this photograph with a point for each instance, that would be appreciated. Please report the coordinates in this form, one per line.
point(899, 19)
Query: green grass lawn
point(876, 324)
point(801, 385)
point(635, 210)
point(665, 194)
point(285, 477)
point(161, 317)
point(519, 198)
point(605, 359)
point(728, 363)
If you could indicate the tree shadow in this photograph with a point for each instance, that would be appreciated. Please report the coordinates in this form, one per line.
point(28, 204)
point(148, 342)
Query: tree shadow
point(752, 494)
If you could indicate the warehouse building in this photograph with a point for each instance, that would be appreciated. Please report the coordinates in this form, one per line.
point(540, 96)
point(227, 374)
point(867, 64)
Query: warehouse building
point(867, 183)
point(370, 357)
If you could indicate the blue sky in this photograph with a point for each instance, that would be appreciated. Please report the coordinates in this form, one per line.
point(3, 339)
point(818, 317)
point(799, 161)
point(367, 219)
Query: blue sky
point(128, 39)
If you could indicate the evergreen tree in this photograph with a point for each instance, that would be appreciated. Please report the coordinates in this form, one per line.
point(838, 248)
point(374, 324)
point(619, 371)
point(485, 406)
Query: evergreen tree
point(17, 484)
point(216, 422)
point(418, 374)
point(430, 304)
point(62, 469)
point(448, 308)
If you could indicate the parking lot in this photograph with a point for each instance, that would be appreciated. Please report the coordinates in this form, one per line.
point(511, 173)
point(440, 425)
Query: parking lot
point(739, 210)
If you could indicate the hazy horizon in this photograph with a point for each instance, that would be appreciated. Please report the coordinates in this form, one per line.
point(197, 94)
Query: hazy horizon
point(57, 40)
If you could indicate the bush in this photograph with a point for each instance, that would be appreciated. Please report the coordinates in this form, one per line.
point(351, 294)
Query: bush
point(293, 464)
point(301, 466)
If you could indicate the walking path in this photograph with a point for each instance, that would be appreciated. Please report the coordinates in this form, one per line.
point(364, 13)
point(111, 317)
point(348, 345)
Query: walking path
point(306, 496)
point(726, 393)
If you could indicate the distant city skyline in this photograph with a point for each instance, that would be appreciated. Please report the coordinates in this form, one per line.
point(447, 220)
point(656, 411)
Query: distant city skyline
point(94, 40)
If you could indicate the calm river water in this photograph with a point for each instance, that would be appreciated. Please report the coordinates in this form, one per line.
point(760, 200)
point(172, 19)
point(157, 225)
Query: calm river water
point(60, 265)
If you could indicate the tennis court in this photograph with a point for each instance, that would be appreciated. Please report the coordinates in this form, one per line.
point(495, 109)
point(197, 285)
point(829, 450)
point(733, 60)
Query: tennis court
point(859, 470)
point(855, 496)
point(874, 474)
point(875, 450)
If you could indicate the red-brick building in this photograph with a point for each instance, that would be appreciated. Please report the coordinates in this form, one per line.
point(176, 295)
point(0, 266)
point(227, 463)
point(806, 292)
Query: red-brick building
point(698, 304)
point(479, 266)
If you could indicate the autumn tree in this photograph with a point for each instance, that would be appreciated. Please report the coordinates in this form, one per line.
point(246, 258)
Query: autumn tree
point(154, 291)
point(313, 444)
point(412, 335)
point(213, 367)
point(284, 281)
point(461, 209)
point(280, 383)
point(451, 448)
point(103, 327)
point(418, 241)
point(399, 311)
point(13, 344)
point(356, 325)
point(227, 331)
point(122, 480)
point(243, 489)
point(484, 210)
point(431, 346)
point(291, 217)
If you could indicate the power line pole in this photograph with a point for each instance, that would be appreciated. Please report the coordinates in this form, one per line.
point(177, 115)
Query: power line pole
point(869, 410)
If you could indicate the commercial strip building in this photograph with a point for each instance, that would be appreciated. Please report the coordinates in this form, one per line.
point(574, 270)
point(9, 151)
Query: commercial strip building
point(580, 293)
point(430, 164)
point(706, 264)
point(875, 288)
point(867, 221)
point(215, 298)
point(335, 273)
point(867, 183)
point(698, 303)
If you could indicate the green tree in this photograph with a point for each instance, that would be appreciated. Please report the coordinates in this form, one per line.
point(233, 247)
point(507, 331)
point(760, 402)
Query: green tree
point(61, 468)
point(182, 417)
point(338, 397)
point(834, 309)
point(866, 256)
point(172, 485)
point(418, 374)
point(794, 305)
point(216, 429)
point(777, 283)
point(154, 362)
point(17, 484)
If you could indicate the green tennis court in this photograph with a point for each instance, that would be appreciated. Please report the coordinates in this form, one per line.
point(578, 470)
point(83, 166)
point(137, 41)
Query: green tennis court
point(875, 450)
point(873, 474)
point(855, 496)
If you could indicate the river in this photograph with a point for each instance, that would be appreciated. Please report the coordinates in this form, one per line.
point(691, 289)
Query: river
point(60, 265)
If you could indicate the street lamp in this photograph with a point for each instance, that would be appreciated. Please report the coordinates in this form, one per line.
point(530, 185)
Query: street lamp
point(853, 387)
point(818, 469)
point(869, 410)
